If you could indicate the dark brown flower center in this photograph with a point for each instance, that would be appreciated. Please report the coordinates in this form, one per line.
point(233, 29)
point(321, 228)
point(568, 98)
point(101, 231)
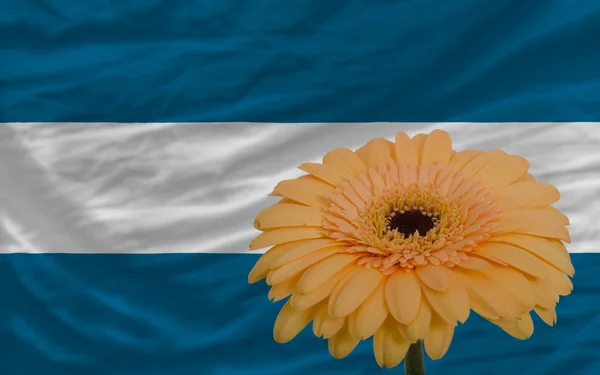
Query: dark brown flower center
point(409, 222)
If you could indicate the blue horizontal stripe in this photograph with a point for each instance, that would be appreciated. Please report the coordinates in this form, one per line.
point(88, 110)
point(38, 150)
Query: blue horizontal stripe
point(304, 61)
point(182, 314)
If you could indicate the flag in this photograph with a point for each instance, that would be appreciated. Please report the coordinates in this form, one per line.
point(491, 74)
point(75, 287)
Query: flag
point(139, 140)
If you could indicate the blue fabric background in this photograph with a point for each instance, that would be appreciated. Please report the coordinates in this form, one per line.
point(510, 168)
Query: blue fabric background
point(299, 61)
point(280, 61)
point(183, 314)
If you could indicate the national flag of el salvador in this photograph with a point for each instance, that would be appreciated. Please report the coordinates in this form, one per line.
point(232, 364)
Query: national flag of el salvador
point(139, 138)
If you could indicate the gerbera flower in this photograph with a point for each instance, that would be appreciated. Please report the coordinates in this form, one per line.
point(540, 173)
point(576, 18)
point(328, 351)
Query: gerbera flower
point(400, 241)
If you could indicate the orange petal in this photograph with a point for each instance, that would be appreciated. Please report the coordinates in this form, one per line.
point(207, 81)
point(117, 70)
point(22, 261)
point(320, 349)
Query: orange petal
point(514, 283)
point(287, 215)
point(496, 301)
point(353, 290)
point(439, 337)
point(561, 282)
point(522, 330)
point(283, 235)
point(418, 142)
point(327, 173)
point(263, 265)
point(290, 322)
point(551, 251)
point(459, 160)
point(547, 315)
point(528, 194)
point(290, 269)
point(403, 295)
point(474, 264)
point(389, 346)
point(320, 272)
point(501, 172)
point(370, 315)
point(437, 149)
point(325, 326)
point(405, 149)
point(418, 328)
point(341, 344)
point(538, 222)
point(434, 277)
point(525, 178)
point(304, 301)
point(375, 152)
point(515, 257)
point(545, 295)
point(307, 190)
point(346, 161)
point(481, 160)
point(304, 248)
point(453, 304)
point(283, 289)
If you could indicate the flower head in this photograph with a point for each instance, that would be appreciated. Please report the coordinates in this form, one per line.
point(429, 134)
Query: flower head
point(401, 240)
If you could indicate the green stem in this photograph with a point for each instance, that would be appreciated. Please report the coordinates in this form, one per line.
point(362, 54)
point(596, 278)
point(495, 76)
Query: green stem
point(414, 362)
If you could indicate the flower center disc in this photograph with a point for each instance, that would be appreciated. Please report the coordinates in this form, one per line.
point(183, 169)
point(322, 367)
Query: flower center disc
point(409, 222)
point(401, 215)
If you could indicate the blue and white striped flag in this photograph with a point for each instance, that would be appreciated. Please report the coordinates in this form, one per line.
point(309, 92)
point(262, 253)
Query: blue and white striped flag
point(139, 141)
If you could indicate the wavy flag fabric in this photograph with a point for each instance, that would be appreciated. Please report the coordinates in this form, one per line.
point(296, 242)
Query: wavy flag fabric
point(139, 140)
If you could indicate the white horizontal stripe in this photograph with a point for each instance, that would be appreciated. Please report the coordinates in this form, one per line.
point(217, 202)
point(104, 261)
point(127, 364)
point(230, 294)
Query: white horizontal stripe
point(155, 188)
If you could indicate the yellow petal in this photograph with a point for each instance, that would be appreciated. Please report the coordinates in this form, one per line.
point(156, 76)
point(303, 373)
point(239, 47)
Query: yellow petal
point(307, 190)
point(389, 346)
point(303, 248)
point(403, 295)
point(284, 289)
point(437, 149)
point(453, 304)
point(319, 273)
point(405, 149)
point(290, 322)
point(551, 251)
point(514, 256)
point(434, 277)
point(341, 344)
point(439, 337)
point(548, 316)
point(287, 215)
point(353, 290)
point(327, 173)
point(459, 160)
point(263, 265)
point(522, 330)
point(345, 160)
point(304, 301)
point(325, 326)
point(290, 269)
point(538, 222)
point(496, 300)
point(481, 160)
point(514, 283)
point(370, 315)
point(375, 152)
point(418, 328)
point(528, 194)
point(282, 235)
point(501, 172)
